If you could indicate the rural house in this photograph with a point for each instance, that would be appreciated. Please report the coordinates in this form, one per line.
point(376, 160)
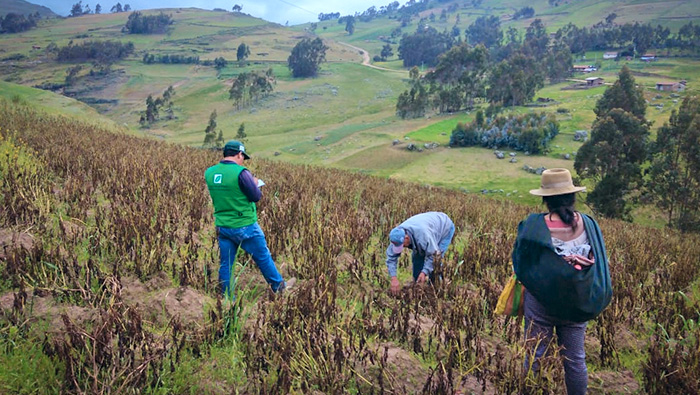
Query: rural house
point(610, 55)
point(584, 68)
point(670, 86)
point(648, 57)
point(594, 81)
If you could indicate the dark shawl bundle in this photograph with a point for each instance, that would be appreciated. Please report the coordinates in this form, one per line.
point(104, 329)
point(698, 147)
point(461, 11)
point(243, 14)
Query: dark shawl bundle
point(565, 292)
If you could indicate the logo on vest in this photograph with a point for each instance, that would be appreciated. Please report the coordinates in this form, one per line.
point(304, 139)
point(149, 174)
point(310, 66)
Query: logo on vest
point(218, 178)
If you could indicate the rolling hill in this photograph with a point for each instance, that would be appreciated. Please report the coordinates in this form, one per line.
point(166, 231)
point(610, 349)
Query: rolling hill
point(109, 259)
point(108, 247)
point(345, 117)
point(24, 7)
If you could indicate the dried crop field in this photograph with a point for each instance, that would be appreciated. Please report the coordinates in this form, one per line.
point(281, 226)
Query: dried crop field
point(108, 259)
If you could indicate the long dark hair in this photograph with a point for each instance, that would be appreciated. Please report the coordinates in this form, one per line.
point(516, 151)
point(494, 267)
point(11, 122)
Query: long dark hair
point(563, 205)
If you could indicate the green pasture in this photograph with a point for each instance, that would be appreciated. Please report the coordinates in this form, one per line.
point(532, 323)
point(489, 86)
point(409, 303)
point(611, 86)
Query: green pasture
point(350, 108)
point(556, 17)
point(48, 101)
point(393, 63)
point(340, 93)
point(194, 31)
point(328, 138)
point(382, 160)
point(213, 19)
point(441, 130)
point(280, 70)
point(473, 169)
point(366, 35)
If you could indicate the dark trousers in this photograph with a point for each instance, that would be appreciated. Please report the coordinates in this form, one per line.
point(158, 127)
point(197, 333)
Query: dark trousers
point(570, 335)
point(252, 240)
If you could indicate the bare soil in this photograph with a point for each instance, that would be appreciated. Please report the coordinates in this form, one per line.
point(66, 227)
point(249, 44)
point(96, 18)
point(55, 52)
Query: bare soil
point(46, 308)
point(157, 301)
point(11, 239)
point(612, 383)
point(404, 370)
point(471, 385)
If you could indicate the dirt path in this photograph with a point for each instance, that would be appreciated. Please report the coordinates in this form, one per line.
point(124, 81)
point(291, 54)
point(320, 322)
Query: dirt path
point(365, 59)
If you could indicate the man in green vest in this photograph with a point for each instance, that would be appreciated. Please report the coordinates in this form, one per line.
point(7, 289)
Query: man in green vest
point(234, 191)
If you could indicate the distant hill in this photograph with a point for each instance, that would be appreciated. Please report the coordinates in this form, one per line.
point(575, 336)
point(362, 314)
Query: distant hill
point(346, 116)
point(25, 8)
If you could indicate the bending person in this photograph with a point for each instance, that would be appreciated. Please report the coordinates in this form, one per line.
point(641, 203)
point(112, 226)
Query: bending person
point(427, 235)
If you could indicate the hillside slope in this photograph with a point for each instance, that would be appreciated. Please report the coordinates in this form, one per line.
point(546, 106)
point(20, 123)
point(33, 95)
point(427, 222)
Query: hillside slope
point(109, 266)
point(25, 8)
point(343, 118)
point(51, 103)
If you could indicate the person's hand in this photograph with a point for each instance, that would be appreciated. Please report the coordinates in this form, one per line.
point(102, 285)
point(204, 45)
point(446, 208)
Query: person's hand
point(394, 288)
point(422, 278)
point(255, 180)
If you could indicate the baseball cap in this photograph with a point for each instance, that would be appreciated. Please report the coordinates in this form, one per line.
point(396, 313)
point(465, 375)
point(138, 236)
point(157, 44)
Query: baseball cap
point(396, 236)
point(235, 146)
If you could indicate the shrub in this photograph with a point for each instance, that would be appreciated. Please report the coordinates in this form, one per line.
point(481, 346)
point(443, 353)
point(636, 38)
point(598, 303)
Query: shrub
point(529, 132)
point(103, 51)
point(147, 24)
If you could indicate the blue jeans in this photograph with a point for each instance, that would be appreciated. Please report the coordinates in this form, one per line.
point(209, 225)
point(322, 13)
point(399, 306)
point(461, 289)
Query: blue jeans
point(419, 260)
point(252, 240)
point(570, 335)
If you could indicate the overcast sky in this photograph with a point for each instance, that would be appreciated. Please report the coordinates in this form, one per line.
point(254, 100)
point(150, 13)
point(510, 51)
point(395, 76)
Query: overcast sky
point(280, 11)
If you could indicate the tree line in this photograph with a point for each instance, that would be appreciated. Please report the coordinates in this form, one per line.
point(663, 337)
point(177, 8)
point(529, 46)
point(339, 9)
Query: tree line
point(628, 168)
point(507, 69)
point(424, 47)
point(149, 58)
point(632, 38)
point(250, 87)
point(524, 13)
point(147, 24)
point(103, 52)
point(365, 16)
point(17, 23)
point(504, 75)
point(154, 106)
point(329, 16)
point(392, 10)
point(79, 9)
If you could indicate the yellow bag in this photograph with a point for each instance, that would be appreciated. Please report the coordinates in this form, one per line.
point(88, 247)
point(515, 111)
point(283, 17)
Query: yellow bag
point(511, 300)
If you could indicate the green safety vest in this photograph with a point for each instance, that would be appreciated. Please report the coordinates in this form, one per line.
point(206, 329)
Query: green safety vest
point(232, 209)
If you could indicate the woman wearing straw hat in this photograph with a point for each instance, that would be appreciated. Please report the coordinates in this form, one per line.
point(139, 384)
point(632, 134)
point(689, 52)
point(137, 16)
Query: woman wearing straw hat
point(560, 258)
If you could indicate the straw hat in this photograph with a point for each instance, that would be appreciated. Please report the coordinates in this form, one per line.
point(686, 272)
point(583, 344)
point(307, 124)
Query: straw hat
point(556, 182)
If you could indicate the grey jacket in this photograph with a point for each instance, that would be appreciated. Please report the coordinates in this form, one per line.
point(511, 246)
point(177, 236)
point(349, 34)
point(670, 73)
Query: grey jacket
point(425, 230)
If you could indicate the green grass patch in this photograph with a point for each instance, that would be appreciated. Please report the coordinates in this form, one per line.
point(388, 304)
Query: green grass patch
point(382, 160)
point(221, 370)
point(10, 150)
point(329, 137)
point(47, 101)
point(440, 131)
point(351, 106)
point(25, 367)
